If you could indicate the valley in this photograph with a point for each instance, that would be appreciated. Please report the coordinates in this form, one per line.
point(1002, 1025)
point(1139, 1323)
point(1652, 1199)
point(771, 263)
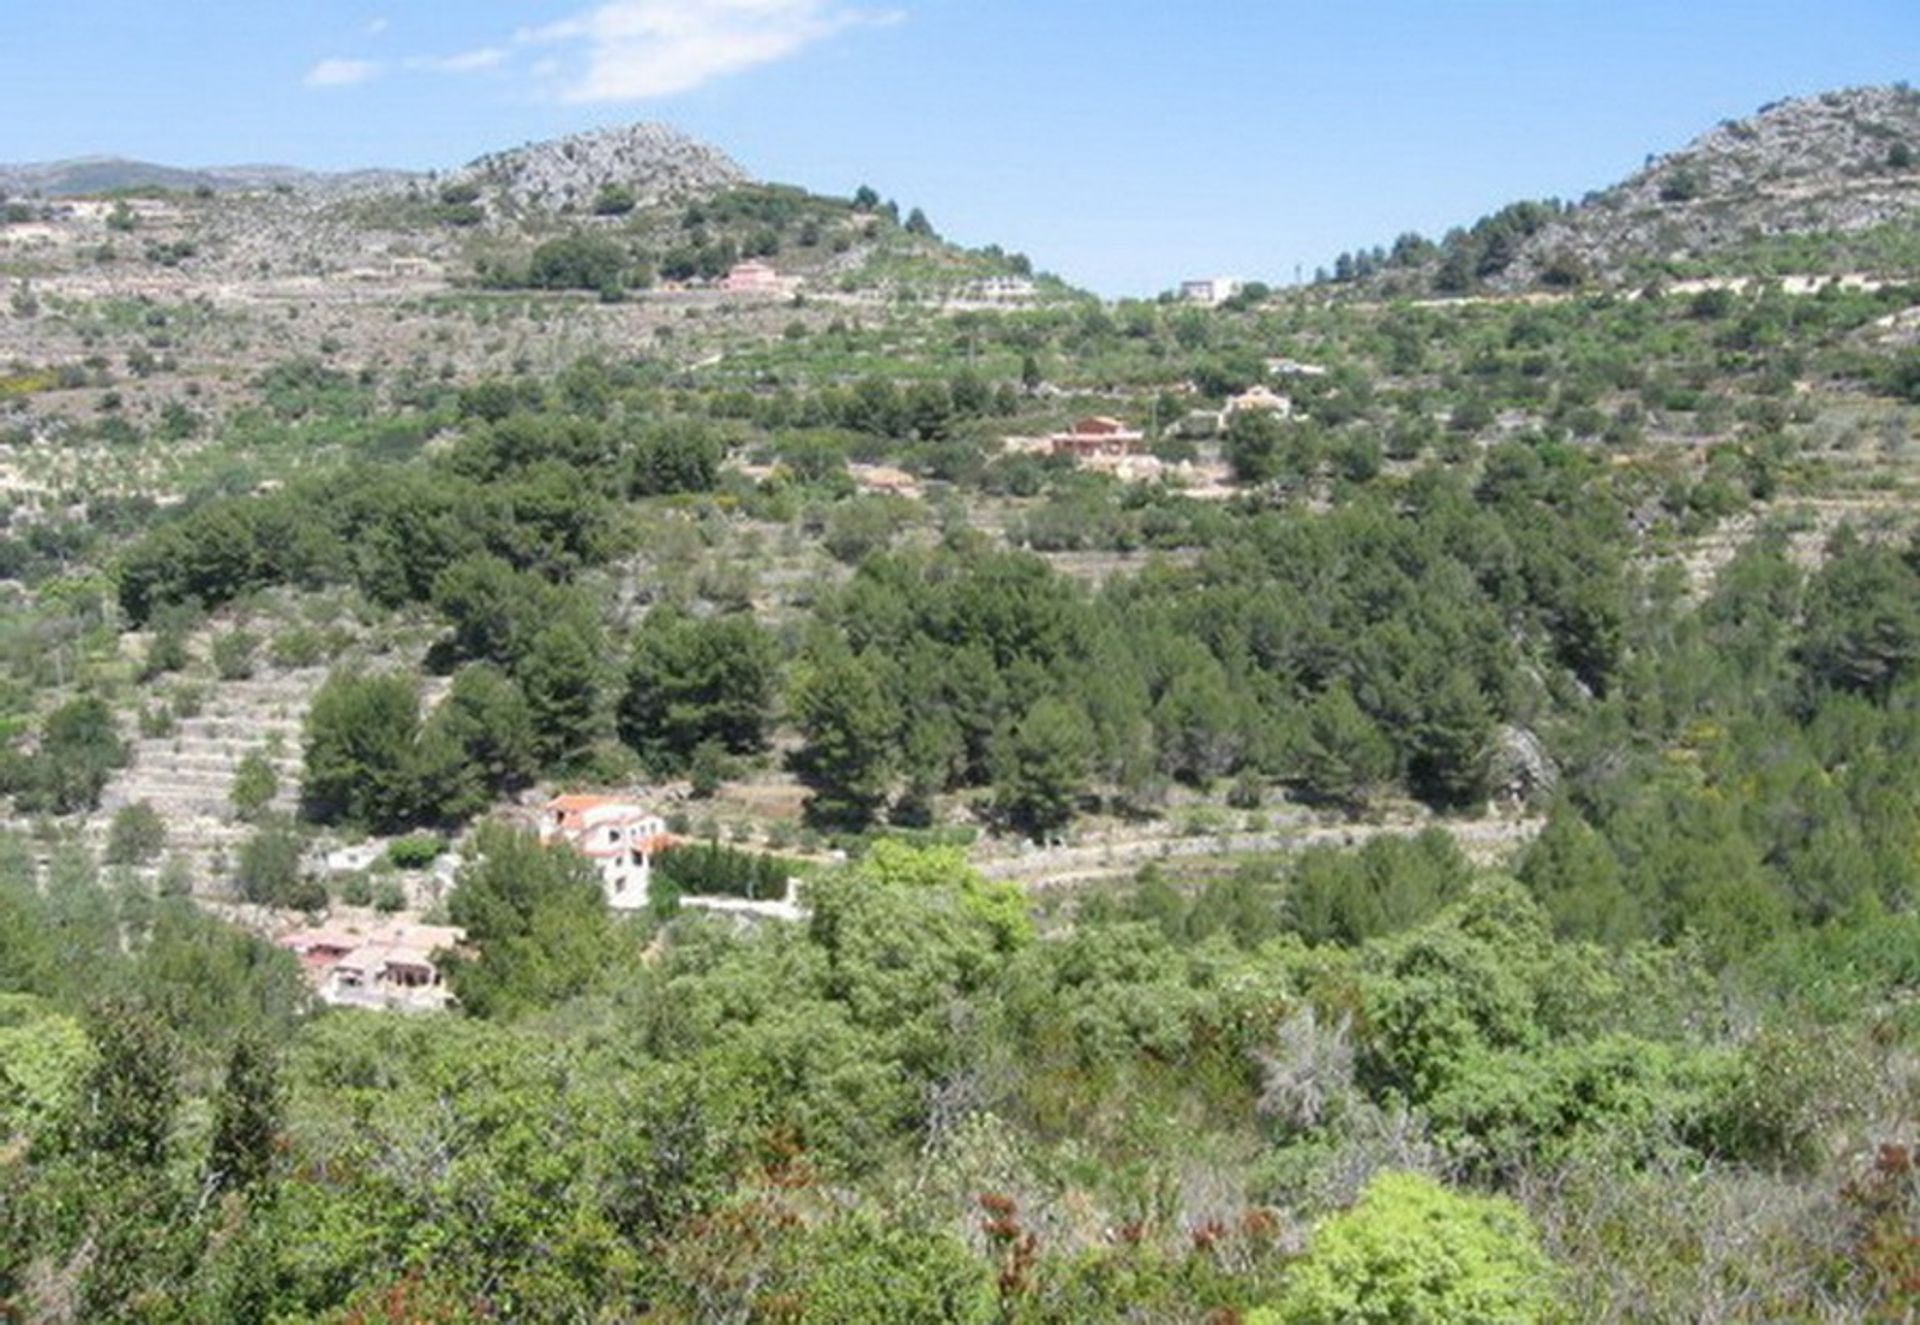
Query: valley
point(592, 738)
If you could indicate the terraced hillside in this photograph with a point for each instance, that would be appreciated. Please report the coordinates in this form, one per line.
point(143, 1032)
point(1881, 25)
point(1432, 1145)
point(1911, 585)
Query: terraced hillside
point(187, 774)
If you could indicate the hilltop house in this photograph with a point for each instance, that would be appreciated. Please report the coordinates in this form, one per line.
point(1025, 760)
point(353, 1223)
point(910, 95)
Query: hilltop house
point(1097, 435)
point(1260, 399)
point(390, 965)
point(617, 835)
point(1211, 290)
point(755, 277)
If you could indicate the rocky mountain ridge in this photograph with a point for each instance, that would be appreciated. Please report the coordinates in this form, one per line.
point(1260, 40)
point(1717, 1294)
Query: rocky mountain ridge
point(1840, 161)
point(655, 162)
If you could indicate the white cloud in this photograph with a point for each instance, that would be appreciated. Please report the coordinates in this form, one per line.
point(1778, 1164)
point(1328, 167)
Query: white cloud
point(640, 49)
point(377, 26)
point(466, 62)
point(338, 72)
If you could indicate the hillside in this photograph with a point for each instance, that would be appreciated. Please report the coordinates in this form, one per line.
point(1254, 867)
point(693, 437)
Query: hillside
point(620, 210)
point(1738, 199)
point(1303, 809)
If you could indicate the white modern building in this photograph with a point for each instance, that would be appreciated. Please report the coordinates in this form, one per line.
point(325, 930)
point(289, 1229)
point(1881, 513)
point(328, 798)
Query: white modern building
point(620, 837)
point(1211, 290)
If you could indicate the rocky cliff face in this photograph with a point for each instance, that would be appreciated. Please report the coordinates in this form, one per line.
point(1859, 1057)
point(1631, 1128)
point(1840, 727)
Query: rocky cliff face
point(656, 162)
point(1840, 161)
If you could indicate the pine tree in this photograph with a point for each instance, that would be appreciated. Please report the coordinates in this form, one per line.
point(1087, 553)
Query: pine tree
point(1040, 767)
point(561, 677)
point(850, 721)
point(1347, 756)
point(246, 1117)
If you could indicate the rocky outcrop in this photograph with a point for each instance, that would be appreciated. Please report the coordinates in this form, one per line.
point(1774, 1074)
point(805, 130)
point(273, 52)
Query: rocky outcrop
point(1841, 161)
point(657, 162)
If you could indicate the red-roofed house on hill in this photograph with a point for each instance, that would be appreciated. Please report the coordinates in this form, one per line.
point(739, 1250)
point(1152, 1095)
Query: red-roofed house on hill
point(1098, 435)
point(619, 836)
point(390, 964)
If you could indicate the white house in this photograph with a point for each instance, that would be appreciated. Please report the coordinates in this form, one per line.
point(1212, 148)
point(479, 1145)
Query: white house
point(618, 836)
point(1260, 399)
point(1211, 290)
point(1000, 289)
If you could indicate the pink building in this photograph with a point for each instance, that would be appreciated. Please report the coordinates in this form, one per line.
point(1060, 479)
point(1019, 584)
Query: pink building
point(754, 277)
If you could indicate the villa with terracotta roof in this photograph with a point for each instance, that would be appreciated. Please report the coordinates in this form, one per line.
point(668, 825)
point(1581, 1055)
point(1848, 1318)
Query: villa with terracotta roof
point(390, 964)
point(619, 836)
point(1098, 435)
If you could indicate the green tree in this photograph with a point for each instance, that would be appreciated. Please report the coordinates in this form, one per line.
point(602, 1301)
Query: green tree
point(360, 737)
point(268, 873)
point(1347, 758)
point(1254, 445)
point(614, 200)
point(132, 1091)
point(246, 1117)
point(1450, 742)
point(1575, 876)
point(1862, 619)
point(80, 746)
point(486, 715)
point(694, 681)
point(848, 720)
point(233, 654)
point(1040, 767)
point(538, 917)
point(578, 262)
point(495, 610)
point(561, 676)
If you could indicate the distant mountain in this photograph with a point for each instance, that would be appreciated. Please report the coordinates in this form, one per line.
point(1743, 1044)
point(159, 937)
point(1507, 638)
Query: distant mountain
point(1837, 164)
point(106, 174)
point(651, 163)
point(652, 204)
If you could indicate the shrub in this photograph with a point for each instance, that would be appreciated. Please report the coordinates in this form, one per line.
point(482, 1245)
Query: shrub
point(254, 785)
point(233, 655)
point(416, 851)
point(268, 872)
point(614, 200)
point(138, 835)
point(299, 646)
point(1411, 1250)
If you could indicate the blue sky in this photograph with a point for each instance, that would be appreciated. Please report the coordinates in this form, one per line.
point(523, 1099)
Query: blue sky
point(1124, 144)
